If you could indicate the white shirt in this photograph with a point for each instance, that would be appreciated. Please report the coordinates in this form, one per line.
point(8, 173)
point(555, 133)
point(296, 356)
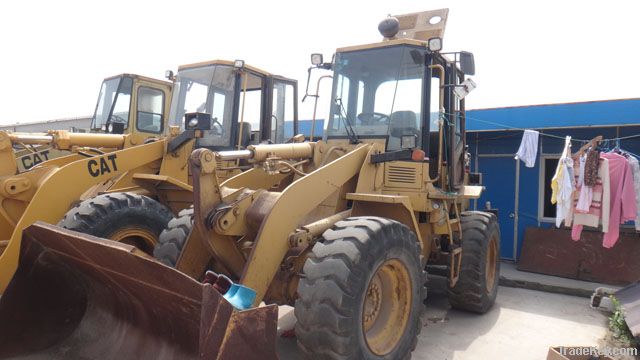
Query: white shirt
point(565, 192)
point(528, 148)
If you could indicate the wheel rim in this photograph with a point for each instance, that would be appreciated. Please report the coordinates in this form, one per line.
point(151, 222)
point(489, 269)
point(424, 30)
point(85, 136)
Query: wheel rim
point(143, 239)
point(491, 264)
point(386, 308)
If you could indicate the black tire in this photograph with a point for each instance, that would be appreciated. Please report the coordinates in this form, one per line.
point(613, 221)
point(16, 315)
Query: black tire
point(108, 215)
point(336, 279)
point(474, 290)
point(173, 238)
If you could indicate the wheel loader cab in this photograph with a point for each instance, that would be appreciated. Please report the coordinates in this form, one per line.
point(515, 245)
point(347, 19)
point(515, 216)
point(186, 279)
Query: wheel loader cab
point(127, 104)
point(400, 92)
point(134, 105)
point(247, 105)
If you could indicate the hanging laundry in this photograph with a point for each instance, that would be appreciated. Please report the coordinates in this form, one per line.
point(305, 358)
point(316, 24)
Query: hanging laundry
point(581, 161)
point(586, 192)
point(591, 167)
point(565, 193)
point(635, 169)
point(585, 198)
point(562, 185)
point(599, 208)
point(623, 200)
point(557, 175)
point(528, 148)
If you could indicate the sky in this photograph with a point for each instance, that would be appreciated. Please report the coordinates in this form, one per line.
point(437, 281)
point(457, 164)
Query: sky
point(54, 54)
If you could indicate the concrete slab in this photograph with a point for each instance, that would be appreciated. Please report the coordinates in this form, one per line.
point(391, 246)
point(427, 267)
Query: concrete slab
point(512, 277)
point(522, 325)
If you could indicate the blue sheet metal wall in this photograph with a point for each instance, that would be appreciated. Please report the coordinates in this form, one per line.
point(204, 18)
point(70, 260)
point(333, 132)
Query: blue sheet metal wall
point(593, 113)
point(304, 127)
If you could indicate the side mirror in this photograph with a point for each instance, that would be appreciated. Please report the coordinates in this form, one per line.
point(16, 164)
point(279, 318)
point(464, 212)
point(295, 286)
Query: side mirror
point(316, 59)
point(116, 128)
point(467, 64)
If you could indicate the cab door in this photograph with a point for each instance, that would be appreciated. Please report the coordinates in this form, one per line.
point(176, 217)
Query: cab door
point(149, 109)
point(281, 121)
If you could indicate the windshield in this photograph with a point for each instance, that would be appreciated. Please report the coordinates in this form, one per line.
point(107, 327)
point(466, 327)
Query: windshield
point(378, 93)
point(208, 89)
point(113, 103)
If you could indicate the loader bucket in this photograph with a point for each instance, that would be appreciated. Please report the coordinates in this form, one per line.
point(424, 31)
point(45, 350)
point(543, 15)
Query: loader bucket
point(76, 296)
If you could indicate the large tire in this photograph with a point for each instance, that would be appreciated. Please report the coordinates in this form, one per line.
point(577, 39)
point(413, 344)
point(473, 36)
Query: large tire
point(477, 285)
point(133, 219)
point(347, 274)
point(173, 238)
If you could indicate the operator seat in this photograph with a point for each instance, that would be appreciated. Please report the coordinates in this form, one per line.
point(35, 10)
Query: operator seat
point(401, 123)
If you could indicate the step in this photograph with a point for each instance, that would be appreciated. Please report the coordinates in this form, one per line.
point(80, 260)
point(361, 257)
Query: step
point(510, 276)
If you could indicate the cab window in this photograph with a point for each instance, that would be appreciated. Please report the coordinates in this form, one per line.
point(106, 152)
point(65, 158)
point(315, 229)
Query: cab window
point(150, 110)
point(250, 108)
point(120, 111)
point(282, 111)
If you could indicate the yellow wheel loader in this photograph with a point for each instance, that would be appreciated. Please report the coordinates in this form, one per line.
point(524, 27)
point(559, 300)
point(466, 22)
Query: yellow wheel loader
point(127, 104)
point(342, 229)
point(130, 194)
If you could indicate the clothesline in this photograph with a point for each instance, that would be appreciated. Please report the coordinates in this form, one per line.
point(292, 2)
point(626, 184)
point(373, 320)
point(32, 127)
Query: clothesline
point(509, 127)
point(606, 141)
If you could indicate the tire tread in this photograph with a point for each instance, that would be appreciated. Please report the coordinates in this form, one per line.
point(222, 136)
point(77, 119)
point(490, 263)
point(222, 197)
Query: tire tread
point(327, 303)
point(469, 293)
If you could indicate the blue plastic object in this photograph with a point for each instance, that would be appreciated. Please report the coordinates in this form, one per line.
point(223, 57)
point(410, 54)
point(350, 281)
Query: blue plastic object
point(241, 297)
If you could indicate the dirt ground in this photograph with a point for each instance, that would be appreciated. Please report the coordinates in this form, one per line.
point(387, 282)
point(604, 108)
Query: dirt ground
point(521, 325)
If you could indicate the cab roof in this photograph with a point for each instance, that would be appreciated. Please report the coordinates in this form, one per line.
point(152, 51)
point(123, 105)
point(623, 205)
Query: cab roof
point(230, 63)
point(140, 77)
point(381, 44)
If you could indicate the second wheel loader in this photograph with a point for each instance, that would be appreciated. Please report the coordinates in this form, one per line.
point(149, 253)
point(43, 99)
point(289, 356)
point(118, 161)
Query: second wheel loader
point(127, 104)
point(130, 194)
point(342, 229)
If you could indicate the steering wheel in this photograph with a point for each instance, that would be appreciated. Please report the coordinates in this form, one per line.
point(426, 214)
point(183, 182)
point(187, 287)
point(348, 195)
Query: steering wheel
point(373, 118)
point(117, 118)
point(219, 130)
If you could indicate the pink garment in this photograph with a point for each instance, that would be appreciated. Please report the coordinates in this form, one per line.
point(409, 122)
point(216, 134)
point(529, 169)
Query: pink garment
point(623, 197)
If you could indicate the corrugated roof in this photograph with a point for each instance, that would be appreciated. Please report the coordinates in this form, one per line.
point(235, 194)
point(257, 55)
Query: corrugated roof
point(579, 114)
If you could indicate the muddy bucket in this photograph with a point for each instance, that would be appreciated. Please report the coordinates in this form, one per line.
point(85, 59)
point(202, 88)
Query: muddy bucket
point(75, 296)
